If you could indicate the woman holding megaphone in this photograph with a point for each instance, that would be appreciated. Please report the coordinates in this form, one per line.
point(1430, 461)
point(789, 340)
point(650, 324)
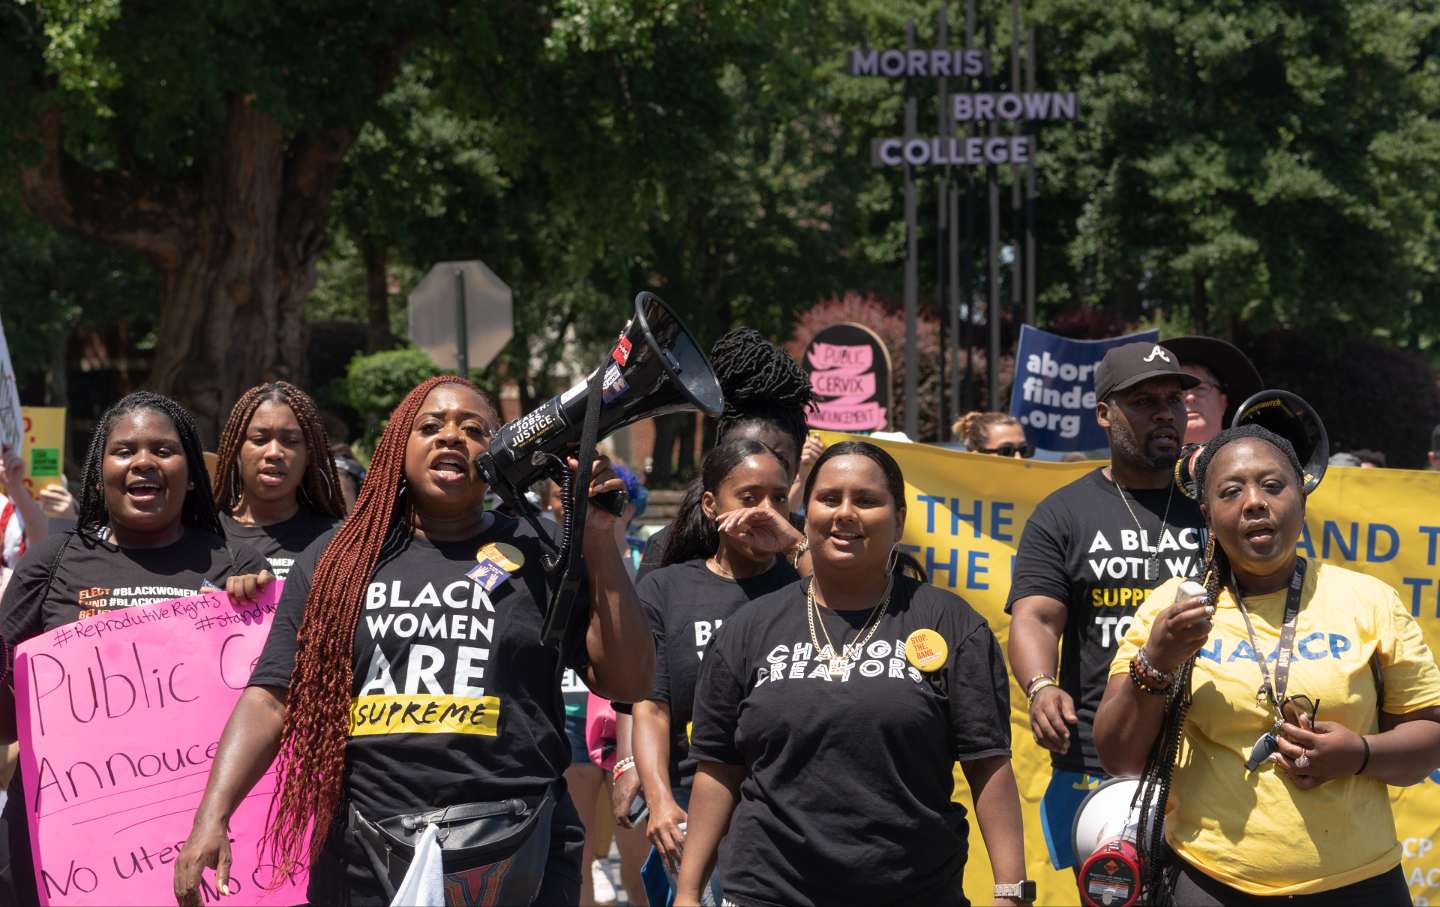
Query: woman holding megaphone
point(404, 684)
point(1284, 792)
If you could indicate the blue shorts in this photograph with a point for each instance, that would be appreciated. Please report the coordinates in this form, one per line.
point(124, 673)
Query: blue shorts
point(1057, 812)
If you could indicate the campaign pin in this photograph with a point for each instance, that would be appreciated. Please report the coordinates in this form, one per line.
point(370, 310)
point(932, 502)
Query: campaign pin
point(503, 555)
point(488, 575)
point(926, 650)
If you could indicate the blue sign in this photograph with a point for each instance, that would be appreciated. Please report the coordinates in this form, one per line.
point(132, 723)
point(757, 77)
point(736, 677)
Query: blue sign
point(1054, 391)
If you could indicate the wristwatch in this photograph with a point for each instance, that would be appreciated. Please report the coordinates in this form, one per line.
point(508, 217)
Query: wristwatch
point(1023, 889)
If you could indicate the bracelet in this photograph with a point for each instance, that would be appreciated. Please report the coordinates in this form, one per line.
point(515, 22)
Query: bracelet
point(1152, 674)
point(1137, 678)
point(797, 551)
point(1366, 761)
point(1030, 684)
point(621, 767)
point(1037, 686)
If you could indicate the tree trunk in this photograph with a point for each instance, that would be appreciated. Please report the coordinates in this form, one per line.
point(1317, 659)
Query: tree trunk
point(377, 296)
point(235, 245)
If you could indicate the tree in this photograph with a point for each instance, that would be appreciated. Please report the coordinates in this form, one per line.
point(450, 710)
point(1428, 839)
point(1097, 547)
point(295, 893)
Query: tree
point(208, 137)
point(1247, 164)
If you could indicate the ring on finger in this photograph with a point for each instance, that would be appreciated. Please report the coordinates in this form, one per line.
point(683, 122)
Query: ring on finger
point(1304, 760)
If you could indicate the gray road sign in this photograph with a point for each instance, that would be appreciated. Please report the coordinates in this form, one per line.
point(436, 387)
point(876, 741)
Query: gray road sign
point(461, 314)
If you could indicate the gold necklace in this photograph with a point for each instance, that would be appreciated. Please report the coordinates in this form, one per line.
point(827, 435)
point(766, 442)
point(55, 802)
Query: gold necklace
point(839, 659)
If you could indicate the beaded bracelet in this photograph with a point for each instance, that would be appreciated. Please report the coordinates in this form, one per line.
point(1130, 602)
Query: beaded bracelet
point(1139, 681)
point(1152, 674)
point(621, 767)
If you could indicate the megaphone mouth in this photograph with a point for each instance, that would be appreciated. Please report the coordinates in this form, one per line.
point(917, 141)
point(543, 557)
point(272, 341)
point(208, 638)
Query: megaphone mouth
point(1292, 418)
point(698, 385)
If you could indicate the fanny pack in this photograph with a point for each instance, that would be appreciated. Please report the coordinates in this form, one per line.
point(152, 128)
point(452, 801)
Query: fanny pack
point(492, 853)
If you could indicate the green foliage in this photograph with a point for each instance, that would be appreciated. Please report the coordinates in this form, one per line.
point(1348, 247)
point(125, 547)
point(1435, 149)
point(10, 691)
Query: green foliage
point(376, 383)
point(1251, 164)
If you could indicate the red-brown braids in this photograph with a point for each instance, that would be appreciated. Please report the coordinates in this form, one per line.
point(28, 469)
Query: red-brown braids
point(320, 487)
point(311, 765)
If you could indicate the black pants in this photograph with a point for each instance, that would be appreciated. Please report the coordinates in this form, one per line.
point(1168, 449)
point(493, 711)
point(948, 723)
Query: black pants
point(1195, 889)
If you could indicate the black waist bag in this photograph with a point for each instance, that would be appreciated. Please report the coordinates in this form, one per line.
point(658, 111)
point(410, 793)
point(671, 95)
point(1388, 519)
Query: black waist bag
point(493, 853)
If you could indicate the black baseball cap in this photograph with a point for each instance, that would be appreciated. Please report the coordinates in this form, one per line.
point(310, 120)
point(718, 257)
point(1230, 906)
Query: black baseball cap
point(1128, 365)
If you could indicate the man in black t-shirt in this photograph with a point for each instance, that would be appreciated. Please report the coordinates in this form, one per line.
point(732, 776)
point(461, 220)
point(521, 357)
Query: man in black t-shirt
point(1089, 555)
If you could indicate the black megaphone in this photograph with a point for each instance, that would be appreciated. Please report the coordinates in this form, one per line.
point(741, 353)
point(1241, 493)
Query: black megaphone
point(655, 367)
point(1287, 415)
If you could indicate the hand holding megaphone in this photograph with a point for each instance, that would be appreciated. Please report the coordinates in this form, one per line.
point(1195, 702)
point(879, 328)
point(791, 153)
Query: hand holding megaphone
point(1180, 630)
point(606, 490)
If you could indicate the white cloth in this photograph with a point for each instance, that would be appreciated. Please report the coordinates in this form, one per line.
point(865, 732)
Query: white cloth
point(424, 882)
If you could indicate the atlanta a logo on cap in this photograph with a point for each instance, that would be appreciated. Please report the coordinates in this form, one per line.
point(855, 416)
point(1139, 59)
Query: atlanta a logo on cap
point(1158, 351)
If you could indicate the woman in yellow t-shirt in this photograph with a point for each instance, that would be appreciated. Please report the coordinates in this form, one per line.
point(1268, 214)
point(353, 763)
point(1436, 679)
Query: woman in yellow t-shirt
point(1281, 793)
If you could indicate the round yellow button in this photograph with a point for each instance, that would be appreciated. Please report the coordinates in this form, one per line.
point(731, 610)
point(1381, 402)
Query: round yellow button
point(926, 650)
point(506, 556)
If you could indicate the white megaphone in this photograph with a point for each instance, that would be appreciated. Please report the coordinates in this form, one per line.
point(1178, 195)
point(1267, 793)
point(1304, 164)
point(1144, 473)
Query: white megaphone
point(1105, 836)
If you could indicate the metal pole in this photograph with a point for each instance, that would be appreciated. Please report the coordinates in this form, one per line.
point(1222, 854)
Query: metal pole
point(1030, 189)
point(462, 334)
point(992, 311)
point(1015, 174)
point(967, 278)
point(946, 227)
point(912, 275)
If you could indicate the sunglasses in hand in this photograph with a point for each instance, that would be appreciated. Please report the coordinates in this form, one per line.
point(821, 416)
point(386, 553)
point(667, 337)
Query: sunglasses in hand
point(1026, 451)
point(1292, 708)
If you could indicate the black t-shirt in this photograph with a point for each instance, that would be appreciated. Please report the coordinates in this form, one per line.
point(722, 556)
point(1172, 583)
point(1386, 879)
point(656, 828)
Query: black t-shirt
point(432, 653)
point(846, 797)
point(282, 542)
point(686, 603)
point(94, 576)
point(1081, 547)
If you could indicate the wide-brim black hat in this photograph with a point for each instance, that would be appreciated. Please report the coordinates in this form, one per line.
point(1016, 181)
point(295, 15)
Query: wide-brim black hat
point(1238, 377)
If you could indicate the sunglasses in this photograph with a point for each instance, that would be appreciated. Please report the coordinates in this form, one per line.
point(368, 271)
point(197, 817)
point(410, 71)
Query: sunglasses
point(1293, 707)
point(1026, 450)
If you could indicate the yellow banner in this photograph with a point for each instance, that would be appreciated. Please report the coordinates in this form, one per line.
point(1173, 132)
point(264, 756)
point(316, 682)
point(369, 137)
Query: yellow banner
point(965, 513)
point(422, 713)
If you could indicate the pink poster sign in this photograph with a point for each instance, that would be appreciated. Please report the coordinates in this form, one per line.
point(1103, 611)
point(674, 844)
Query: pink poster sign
point(119, 719)
point(850, 373)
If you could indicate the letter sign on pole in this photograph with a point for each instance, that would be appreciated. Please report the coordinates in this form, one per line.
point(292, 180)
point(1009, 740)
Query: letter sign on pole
point(461, 314)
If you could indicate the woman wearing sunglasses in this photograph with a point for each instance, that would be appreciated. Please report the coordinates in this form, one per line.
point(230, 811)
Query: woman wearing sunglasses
point(1281, 793)
point(1000, 434)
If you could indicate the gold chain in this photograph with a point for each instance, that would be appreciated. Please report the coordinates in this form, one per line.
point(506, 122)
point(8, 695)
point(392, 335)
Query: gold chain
point(838, 657)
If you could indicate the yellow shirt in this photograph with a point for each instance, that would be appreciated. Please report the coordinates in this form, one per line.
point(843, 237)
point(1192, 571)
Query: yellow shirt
point(1256, 831)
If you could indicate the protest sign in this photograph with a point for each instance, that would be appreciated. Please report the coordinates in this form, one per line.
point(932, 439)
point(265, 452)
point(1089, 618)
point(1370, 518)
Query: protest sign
point(119, 719)
point(964, 517)
point(11, 426)
point(849, 370)
point(44, 428)
point(1054, 391)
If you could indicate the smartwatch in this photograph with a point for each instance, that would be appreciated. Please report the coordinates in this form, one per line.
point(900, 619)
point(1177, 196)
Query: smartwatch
point(1023, 889)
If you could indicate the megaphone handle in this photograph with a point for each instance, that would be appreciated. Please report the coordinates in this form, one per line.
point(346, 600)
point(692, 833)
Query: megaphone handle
point(562, 602)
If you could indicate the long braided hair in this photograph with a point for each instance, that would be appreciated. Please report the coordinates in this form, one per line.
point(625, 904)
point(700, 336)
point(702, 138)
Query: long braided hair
point(761, 384)
point(311, 763)
point(1154, 790)
point(319, 488)
point(198, 511)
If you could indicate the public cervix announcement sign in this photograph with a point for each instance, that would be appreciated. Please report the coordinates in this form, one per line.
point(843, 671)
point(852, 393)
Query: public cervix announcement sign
point(849, 369)
point(119, 719)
